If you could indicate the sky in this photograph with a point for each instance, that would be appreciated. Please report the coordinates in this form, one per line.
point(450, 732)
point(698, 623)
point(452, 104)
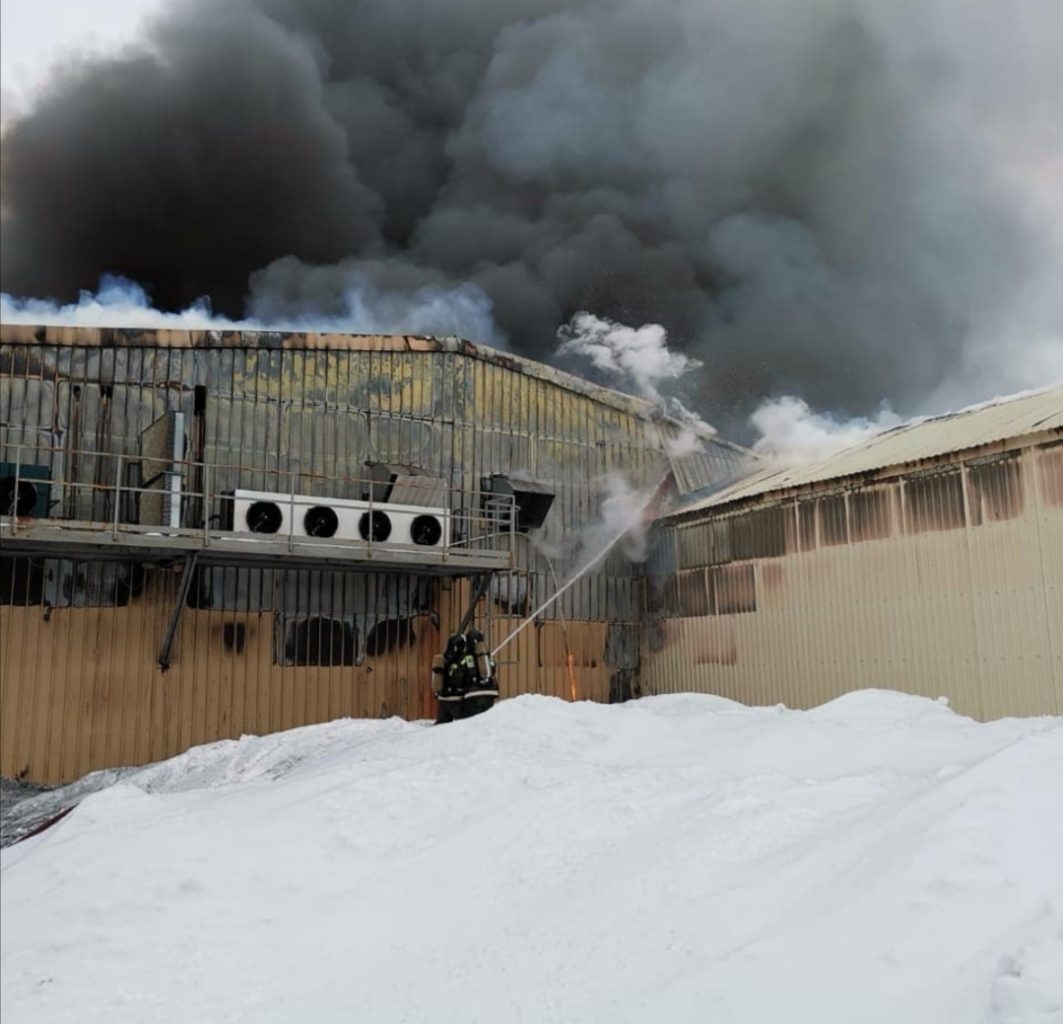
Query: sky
point(34, 34)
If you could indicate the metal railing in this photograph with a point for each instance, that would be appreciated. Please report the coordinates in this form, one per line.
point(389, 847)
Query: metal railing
point(201, 511)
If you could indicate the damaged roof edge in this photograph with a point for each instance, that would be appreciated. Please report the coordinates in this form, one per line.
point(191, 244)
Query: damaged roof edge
point(133, 337)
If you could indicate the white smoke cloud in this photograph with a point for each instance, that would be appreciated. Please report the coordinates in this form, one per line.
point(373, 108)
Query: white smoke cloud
point(638, 359)
point(462, 310)
point(791, 433)
point(634, 357)
point(624, 515)
point(117, 303)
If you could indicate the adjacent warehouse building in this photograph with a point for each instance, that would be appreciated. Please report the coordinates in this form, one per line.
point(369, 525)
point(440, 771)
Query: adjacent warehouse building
point(928, 559)
point(209, 533)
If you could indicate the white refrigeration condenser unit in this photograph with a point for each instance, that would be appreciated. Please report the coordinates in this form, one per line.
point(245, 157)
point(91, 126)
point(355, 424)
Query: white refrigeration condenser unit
point(416, 525)
point(266, 512)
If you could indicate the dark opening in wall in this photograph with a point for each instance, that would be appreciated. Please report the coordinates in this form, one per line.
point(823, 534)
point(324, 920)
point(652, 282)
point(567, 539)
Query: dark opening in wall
point(234, 636)
point(734, 588)
point(1050, 473)
point(721, 545)
point(833, 523)
point(694, 598)
point(532, 499)
point(661, 596)
point(995, 489)
point(98, 584)
point(764, 533)
point(511, 593)
point(318, 641)
point(21, 581)
point(806, 525)
point(934, 501)
point(388, 634)
point(869, 514)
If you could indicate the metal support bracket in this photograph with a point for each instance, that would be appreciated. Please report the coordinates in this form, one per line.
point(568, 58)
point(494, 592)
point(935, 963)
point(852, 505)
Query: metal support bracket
point(175, 615)
point(479, 587)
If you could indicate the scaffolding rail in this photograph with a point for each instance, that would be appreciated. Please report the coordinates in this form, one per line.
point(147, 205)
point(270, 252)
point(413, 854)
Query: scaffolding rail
point(47, 509)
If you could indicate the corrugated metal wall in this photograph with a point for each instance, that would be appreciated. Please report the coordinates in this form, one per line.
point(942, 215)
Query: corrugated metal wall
point(943, 582)
point(265, 650)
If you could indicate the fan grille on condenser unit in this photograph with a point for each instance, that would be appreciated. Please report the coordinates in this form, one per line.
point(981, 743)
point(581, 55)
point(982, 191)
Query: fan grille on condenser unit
point(375, 526)
point(321, 521)
point(264, 517)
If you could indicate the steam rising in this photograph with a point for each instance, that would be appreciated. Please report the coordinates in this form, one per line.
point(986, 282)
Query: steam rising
point(635, 356)
point(790, 433)
point(844, 200)
point(463, 310)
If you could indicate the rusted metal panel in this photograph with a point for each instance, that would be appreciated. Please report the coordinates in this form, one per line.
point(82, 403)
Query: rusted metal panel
point(946, 583)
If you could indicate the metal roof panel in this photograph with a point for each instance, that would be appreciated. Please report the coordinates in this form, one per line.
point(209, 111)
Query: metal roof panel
point(924, 438)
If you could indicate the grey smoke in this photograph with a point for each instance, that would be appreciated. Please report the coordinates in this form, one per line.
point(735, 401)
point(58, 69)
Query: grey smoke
point(848, 200)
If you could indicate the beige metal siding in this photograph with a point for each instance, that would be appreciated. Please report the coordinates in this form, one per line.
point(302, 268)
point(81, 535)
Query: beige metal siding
point(948, 582)
point(81, 690)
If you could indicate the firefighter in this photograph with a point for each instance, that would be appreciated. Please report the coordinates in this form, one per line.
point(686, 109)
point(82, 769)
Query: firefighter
point(450, 679)
point(482, 691)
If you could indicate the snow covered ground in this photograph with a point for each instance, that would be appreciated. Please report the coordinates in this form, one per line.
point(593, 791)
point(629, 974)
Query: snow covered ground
point(878, 859)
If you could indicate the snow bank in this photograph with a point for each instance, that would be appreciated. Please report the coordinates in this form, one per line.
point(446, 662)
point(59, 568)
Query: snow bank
point(878, 859)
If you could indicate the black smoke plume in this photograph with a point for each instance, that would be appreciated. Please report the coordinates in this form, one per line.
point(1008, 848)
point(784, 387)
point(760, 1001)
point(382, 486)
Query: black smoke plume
point(835, 198)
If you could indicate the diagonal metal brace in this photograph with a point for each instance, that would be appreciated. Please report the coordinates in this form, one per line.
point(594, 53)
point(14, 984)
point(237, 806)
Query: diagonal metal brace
point(480, 585)
point(175, 615)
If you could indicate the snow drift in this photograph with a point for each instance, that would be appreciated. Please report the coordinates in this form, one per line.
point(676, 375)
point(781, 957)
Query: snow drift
point(879, 859)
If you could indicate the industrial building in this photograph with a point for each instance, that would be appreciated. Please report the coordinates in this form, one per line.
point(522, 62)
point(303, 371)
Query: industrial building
point(206, 533)
point(928, 559)
point(211, 533)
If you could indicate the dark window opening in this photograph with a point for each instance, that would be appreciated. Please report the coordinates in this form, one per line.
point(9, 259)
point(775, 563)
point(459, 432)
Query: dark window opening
point(721, 545)
point(21, 581)
point(806, 525)
point(762, 533)
point(387, 635)
point(1050, 473)
point(660, 596)
point(833, 524)
point(935, 502)
point(995, 489)
point(869, 513)
point(511, 593)
point(234, 636)
point(319, 641)
point(532, 500)
point(693, 591)
point(734, 588)
point(98, 584)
